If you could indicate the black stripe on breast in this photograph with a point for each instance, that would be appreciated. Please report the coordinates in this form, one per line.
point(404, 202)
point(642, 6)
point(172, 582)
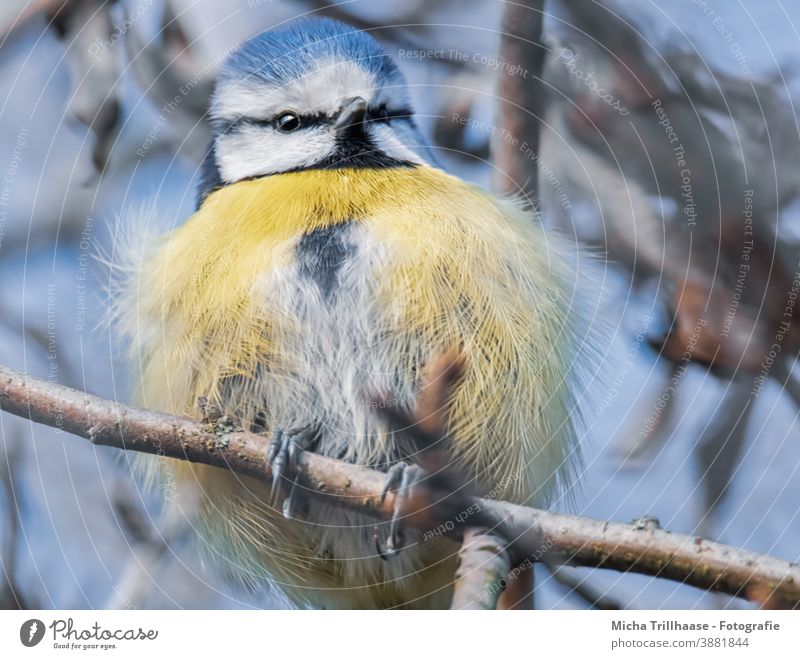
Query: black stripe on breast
point(321, 254)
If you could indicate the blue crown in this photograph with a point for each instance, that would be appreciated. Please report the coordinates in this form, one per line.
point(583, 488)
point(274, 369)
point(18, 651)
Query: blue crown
point(285, 53)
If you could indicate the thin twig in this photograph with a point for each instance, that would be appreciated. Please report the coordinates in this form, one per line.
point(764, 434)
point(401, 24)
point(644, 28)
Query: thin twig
point(482, 569)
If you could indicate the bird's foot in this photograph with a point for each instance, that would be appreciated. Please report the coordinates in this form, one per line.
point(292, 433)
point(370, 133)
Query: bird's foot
point(401, 479)
point(284, 447)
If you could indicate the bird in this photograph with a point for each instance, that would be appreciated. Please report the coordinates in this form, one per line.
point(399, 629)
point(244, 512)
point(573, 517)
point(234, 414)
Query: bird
point(329, 258)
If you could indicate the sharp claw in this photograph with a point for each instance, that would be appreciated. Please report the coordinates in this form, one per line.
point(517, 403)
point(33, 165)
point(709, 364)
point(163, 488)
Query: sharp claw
point(396, 539)
point(379, 549)
point(400, 478)
point(394, 477)
point(274, 445)
point(394, 480)
point(282, 454)
point(278, 450)
point(289, 501)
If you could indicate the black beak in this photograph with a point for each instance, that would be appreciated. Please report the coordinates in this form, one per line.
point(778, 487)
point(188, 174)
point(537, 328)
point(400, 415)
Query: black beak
point(351, 116)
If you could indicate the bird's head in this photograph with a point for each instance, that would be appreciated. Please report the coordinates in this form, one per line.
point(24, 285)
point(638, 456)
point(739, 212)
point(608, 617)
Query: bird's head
point(315, 93)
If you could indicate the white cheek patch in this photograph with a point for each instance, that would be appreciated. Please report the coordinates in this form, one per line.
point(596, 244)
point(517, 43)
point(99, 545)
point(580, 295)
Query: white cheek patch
point(258, 151)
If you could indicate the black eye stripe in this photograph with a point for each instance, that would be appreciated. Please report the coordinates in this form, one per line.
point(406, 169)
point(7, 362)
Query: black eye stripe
point(383, 114)
point(306, 121)
point(314, 120)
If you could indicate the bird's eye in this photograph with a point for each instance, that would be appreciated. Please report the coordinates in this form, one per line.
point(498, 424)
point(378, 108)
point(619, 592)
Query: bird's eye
point(287, 122)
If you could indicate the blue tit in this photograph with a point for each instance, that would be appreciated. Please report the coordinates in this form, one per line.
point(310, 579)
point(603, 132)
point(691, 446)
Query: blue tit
point(329, 258)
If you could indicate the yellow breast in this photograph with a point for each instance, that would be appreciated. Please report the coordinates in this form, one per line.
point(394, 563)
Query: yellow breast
point(462, 268)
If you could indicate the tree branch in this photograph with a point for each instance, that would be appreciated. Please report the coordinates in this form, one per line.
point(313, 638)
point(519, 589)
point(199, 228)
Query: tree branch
point(532, 533)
